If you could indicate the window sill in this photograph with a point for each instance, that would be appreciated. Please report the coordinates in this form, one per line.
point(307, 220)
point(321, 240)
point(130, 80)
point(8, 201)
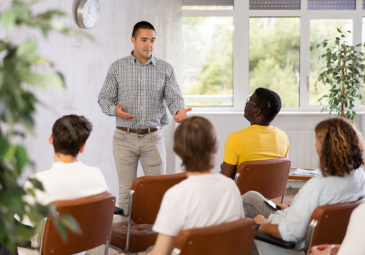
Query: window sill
point(194, 112)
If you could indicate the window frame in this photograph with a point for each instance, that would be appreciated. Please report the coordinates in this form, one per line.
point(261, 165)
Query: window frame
point(241, 15)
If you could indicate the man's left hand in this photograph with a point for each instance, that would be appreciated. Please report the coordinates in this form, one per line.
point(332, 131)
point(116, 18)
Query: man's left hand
point(181, 115)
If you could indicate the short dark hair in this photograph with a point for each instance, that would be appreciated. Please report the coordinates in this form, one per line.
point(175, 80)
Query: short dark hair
point(342, 147)
point(141, 24)
point(70, 133)
point(269, 102)
point(195, 142)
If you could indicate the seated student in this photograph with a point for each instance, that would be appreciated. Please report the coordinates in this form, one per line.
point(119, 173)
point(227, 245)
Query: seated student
point(340, 150)
point(260, 141)
point(68, 178)
point(353, 243)
point(205, 198)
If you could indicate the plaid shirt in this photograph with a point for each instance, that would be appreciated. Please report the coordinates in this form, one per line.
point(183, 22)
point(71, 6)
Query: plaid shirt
point(144, 91)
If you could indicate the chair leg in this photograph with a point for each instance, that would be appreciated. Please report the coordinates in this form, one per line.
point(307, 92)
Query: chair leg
point(107, 244)
point(282, 198)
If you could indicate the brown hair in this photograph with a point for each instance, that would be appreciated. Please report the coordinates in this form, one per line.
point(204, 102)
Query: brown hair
point(342, 147)
point(195, 142)
point(70, 133)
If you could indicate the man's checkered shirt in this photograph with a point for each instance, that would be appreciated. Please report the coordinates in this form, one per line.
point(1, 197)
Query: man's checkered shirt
point(144, 91)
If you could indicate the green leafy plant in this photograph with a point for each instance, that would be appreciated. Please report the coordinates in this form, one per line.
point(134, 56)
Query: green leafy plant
point(343, 73)
point(21, 67)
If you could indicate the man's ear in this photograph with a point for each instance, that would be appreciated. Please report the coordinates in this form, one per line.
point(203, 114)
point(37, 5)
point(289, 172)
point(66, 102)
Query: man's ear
point(258, 111)
point(50, 139)
point(133, 40)
point(82, 148)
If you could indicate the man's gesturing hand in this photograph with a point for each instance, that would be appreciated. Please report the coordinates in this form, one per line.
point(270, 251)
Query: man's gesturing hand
point(123, 115)
point(181, 115)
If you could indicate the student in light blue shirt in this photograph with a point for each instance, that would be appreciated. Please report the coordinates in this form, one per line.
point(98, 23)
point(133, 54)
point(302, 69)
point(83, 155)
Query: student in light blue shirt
point(340, 149)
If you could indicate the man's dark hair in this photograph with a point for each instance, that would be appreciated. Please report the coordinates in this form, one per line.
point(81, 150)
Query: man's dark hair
point(195, 142)
point(70, 133)
point(269, 102)
point(141, 24)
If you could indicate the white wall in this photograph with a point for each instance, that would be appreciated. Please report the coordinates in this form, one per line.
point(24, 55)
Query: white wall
point(85, 63)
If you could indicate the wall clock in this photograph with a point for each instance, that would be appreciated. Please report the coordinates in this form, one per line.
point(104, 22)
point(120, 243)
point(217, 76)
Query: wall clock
point(86, 13)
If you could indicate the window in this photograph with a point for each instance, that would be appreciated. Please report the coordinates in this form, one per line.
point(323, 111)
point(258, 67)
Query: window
point(229, 51)
point(208, 55)
point(274, 57)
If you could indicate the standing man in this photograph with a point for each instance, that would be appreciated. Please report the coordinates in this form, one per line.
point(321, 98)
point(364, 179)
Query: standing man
point(136, 91)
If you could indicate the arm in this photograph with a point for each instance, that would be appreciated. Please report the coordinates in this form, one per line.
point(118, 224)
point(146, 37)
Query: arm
point(163, 246)
point(172, 94)
point(267, 228)
point(229, 170)
point(108, 96)
point(270, 229)
point(325, 249)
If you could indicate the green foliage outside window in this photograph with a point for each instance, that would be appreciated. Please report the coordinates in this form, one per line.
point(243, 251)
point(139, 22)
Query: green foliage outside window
point(21, 68)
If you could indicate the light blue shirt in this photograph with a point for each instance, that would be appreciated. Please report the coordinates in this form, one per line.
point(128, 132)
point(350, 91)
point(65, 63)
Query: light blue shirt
point(293, 221)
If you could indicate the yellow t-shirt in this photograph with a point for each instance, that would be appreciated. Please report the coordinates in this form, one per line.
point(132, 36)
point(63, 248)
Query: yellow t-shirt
point(255, 143)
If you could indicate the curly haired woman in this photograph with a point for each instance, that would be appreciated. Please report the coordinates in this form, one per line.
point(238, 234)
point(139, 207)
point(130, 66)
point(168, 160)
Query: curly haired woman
point(341, 152)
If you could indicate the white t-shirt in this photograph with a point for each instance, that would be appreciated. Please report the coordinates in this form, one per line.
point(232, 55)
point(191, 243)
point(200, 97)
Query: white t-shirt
point(66, 181)
point(353, 243)
point(199, 201)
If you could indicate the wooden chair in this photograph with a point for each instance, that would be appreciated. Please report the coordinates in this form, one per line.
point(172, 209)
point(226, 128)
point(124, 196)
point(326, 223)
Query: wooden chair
point(145, 197)
point(327, 225)
point(268, 177)
point(233, 238)
point(94, 215)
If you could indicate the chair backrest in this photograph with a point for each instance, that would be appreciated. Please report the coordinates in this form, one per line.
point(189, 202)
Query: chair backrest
point(148, 194)
point(269, 177)
point(233, 238)
point(94, 215)
point(332, 221)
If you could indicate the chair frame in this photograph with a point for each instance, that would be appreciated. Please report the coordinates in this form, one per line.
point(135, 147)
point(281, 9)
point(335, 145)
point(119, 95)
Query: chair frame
point(43, 230)
point(237, 176)
point(129, 214)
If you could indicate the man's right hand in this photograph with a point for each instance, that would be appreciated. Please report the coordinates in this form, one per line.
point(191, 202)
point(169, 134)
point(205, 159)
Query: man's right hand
point(123, 115)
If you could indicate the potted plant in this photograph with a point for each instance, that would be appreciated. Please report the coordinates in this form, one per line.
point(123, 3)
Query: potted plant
point(343, 74)
point(19, 71)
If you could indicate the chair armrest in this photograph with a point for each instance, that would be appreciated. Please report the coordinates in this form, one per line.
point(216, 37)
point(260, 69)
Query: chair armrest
point(273, 240)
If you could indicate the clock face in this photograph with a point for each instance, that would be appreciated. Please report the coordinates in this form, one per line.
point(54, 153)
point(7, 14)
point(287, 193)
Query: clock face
point(91, 13)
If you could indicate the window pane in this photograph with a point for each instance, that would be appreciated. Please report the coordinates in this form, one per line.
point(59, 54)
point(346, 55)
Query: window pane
point(275, 5)
point(320, 30)
point(208, 61)
point(332, 5)
point(274, 57)
point(211, 8)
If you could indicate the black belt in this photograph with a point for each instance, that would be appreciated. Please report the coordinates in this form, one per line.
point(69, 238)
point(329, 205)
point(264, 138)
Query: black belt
point(139, 131)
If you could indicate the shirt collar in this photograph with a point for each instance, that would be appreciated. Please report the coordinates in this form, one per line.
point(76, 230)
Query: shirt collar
point(152, 60)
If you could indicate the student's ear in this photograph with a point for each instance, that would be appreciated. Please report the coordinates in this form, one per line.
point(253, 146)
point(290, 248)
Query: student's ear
point(133, 40)
point(50, 139)
point(82, 148)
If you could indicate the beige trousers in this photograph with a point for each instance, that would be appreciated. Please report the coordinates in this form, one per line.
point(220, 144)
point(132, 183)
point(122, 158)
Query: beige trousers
point(128, 149)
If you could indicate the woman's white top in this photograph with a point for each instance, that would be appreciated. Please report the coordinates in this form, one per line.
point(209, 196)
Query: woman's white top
point(293, 221)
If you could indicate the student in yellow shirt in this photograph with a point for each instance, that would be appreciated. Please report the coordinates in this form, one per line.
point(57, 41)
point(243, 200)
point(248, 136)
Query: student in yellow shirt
point(260, 141)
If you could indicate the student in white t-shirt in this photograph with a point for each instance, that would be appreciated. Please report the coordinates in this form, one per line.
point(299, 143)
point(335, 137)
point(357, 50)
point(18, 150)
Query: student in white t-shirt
point(68, 178)
point(204, 198)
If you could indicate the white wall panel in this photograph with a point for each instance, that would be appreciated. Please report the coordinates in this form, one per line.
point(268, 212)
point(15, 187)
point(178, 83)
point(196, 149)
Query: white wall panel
point(85, 63)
